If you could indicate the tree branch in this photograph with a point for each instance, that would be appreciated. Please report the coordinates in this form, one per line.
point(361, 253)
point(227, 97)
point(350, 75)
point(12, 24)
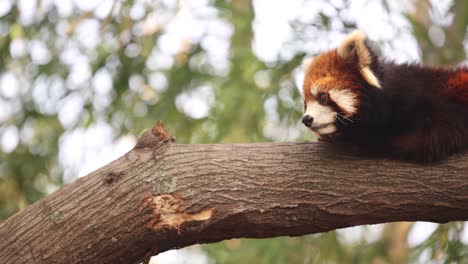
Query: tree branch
point(163, 195)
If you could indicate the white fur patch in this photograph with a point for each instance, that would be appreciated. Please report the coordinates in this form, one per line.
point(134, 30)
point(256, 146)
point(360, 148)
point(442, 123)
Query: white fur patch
point(345, 99)
point(370, 77)
point(326, 130)
point(321, 114)
point(314, 90)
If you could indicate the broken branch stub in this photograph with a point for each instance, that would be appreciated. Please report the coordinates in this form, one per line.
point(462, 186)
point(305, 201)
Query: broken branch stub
point(154, 137)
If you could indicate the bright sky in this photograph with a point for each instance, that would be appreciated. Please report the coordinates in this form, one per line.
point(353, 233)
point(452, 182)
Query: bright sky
point(93, 147)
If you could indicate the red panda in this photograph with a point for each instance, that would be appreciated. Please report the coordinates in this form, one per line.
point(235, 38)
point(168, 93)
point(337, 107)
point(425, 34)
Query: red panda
point(407, 111)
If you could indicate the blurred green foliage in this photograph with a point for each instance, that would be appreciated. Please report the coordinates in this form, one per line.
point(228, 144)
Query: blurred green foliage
point(62, 59)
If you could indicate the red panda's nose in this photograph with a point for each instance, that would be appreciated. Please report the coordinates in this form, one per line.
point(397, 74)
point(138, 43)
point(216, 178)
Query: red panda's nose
point(307, 120)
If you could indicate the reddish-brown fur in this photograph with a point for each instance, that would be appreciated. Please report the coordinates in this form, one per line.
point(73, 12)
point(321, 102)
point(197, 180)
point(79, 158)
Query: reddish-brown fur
point(457, 87)
point(328, 71)
point(419, 113)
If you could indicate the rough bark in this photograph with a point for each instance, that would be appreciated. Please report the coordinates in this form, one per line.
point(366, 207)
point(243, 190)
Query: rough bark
point(163, 195)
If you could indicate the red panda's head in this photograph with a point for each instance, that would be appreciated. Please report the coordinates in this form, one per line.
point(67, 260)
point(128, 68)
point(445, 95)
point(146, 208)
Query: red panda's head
point(334, 84)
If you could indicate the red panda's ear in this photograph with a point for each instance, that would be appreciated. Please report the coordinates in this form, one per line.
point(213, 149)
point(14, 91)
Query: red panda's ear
point(354, 49)
point(306, 63)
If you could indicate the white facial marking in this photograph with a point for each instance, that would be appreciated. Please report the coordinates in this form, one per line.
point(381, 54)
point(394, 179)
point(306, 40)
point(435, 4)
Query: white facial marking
point(327, 130)
point(322, 115)
point(345, 99)
point(314, 90)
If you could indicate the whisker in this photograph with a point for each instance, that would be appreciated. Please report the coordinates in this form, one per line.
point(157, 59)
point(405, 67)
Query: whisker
point(338, 118)
point(346, 118)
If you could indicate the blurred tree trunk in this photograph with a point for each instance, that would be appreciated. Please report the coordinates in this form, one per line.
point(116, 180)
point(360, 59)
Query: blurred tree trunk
point(163, 195)
point(395, 237)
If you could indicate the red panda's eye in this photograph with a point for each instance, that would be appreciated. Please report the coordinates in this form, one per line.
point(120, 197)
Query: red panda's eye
point(323, 98)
